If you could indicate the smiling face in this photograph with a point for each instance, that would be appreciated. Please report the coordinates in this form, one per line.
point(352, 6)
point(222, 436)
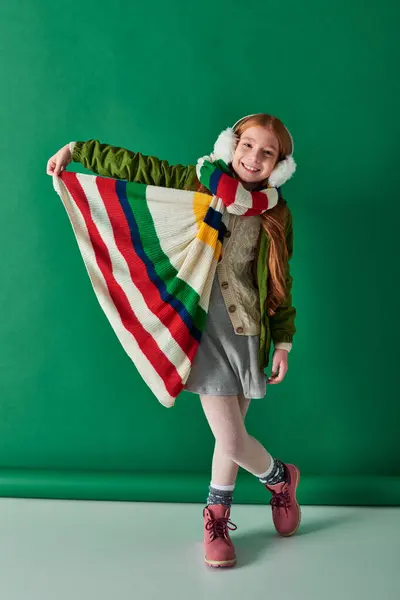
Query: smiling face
point(256, 155)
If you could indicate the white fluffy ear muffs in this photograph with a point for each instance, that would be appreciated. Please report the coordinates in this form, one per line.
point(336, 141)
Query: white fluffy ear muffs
point(225, 146)
point(283, 171)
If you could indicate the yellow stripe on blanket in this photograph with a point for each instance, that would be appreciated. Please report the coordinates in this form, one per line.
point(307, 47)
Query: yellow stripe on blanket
point(208, 235)
point(201, 203)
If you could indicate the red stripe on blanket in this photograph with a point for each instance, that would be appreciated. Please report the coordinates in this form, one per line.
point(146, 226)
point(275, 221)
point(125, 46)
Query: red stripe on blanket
point(138, 272)
point(160, 363)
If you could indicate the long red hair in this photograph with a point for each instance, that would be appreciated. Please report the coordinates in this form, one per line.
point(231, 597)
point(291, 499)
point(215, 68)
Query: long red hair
point(274, 220)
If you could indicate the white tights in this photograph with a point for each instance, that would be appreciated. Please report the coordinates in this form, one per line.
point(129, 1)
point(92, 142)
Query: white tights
point(234, 447)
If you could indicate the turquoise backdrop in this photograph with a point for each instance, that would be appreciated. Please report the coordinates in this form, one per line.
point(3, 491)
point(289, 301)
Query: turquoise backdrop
point(76, 421)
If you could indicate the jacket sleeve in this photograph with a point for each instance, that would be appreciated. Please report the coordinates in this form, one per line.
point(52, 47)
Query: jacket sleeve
point(282, 323)
point(110, 161)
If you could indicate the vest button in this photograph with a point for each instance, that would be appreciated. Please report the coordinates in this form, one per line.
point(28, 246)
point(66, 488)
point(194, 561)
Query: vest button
point(239, 329)
point(224, 285)
point(232, 308)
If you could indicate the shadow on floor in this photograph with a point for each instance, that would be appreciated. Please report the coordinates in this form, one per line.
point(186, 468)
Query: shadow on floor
point(253, 545)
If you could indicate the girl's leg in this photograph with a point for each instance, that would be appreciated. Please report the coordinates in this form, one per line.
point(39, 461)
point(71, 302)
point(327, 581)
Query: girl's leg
point(219, 549)
point(225, 418)
point(224, 469)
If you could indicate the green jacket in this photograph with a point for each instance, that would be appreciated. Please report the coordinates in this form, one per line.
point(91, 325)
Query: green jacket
point(118, 163)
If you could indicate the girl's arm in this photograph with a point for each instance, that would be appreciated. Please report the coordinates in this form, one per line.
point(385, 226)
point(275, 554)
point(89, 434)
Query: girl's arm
point(110, 161)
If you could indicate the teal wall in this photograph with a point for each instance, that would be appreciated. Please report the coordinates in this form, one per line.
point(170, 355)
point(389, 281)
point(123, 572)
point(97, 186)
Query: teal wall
point(165, 78)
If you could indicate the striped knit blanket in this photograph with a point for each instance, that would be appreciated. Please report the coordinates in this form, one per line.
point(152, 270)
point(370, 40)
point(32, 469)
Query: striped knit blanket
point(151, 255)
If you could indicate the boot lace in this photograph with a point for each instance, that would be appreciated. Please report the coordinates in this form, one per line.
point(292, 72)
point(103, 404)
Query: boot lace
point(219, 527)
point(281, 500)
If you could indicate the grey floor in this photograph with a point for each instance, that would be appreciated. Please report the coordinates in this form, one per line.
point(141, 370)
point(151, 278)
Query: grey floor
point(68, 550)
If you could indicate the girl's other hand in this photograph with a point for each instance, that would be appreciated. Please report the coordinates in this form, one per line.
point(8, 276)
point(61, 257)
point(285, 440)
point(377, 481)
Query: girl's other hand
point(279, 366)
point(57, 163)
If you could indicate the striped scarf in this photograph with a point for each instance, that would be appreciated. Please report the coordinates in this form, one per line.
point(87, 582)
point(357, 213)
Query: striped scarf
point(151, 254)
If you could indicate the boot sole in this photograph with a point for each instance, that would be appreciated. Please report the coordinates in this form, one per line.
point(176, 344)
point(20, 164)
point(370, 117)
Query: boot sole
point(216, 564)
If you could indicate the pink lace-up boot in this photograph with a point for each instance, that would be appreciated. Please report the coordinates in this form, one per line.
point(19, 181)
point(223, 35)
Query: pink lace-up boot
point(286, 512)
point(219, 550)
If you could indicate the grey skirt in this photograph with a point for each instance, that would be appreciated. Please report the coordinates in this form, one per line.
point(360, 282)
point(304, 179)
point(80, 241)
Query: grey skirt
point(226, 364)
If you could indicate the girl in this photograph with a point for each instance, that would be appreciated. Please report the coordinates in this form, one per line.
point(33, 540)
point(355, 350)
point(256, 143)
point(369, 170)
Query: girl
point(250, 304)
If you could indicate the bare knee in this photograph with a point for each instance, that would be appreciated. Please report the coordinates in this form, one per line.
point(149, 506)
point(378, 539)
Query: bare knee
point(231, 445)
